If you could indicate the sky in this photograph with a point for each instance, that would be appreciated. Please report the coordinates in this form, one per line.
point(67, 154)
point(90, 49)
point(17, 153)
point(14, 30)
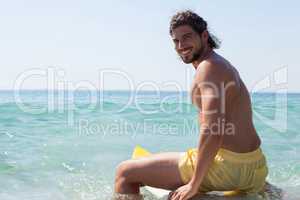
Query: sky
point(122, 44)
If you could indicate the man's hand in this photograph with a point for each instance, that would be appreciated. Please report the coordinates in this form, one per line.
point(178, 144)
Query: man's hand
point(184, 192)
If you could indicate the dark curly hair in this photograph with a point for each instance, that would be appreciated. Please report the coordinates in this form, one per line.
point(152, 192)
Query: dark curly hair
point(196, 22)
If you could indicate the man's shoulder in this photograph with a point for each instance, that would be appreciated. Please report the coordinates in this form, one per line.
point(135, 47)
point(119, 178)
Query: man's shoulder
point(216, 68)
point(212, 68)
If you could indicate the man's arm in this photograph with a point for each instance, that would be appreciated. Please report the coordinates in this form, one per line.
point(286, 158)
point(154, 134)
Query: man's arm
point(209, 81)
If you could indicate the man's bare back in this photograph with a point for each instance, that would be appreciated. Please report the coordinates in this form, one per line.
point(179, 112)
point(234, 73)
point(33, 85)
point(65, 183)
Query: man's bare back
point(242, 136)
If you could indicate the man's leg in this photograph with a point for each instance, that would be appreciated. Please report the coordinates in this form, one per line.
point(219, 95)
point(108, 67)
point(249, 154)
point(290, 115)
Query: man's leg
point(157, 170)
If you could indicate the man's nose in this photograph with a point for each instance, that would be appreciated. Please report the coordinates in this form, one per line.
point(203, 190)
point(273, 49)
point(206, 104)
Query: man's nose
point(181, 45)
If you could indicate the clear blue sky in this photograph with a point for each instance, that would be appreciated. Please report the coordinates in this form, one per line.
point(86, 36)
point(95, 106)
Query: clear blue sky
point(82, 37)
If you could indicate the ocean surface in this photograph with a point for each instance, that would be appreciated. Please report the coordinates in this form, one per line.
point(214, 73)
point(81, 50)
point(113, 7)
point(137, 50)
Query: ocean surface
point(65, 145)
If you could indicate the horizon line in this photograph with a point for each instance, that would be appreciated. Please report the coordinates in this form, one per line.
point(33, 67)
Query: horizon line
point(126, 90)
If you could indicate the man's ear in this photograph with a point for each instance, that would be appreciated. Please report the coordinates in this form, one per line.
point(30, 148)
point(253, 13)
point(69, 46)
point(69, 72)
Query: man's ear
point(205, 35)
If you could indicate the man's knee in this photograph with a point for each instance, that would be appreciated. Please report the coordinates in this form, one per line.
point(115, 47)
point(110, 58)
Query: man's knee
point(124, 170)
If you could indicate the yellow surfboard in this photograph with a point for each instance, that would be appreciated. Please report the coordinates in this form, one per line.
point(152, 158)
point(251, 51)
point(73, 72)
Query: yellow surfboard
point(139, 152)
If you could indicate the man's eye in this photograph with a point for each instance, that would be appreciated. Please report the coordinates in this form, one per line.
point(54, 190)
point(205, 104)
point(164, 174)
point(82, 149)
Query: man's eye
point(186, 37)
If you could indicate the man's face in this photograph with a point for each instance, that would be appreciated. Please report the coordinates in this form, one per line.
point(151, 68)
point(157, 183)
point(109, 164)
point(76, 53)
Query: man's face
point(188, 43)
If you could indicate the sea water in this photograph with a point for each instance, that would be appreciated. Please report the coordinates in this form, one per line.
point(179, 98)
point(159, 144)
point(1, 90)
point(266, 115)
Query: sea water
point(65, 145)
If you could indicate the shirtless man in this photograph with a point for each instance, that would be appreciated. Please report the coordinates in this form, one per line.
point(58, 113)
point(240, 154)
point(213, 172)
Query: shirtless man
point(227, 158)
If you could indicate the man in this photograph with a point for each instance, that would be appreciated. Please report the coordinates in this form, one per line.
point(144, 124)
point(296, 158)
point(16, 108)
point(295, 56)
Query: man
point(228, 156)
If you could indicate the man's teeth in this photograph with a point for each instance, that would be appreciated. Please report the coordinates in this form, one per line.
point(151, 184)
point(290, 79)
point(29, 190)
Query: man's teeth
point(186, 51)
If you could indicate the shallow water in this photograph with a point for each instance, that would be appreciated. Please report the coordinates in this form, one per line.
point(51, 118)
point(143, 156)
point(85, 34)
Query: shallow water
point(66, 145)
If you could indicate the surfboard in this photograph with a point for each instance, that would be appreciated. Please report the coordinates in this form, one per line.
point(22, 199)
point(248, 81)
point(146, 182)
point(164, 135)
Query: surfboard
point(151, 193)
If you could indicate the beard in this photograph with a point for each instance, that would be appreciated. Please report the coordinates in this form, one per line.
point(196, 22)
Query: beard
point(194, 57)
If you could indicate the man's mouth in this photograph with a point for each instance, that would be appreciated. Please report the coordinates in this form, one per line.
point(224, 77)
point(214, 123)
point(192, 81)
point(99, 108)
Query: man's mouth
point(186, 51)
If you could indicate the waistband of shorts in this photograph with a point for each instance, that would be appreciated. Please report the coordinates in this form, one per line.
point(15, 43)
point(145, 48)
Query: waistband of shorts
point(252, 156)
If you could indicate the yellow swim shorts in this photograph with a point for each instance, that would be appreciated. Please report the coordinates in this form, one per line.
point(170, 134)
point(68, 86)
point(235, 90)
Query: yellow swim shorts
point(230, 171)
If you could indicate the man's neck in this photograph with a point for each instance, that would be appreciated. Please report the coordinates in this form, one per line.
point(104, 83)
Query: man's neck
point(207, 52)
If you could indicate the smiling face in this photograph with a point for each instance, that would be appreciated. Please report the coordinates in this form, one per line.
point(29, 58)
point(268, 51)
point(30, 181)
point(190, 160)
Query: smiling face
point(188, 43)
